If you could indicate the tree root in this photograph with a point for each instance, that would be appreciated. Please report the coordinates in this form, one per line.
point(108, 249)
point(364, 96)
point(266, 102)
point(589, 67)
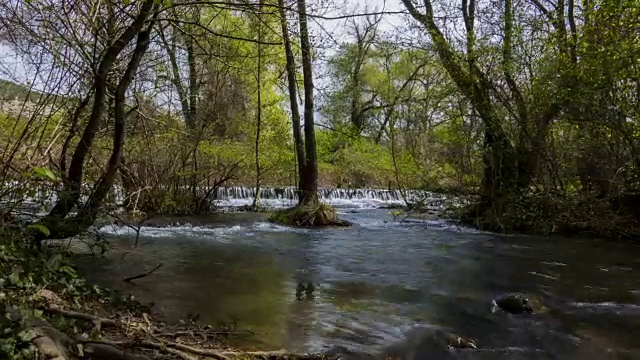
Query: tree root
point(205, 333)
point(183, 351)
point(168, 345)
point(49, 349)
point(180, 354)
point(97, 321)
point(310, 215)
point(52, 344)
point(99, 351)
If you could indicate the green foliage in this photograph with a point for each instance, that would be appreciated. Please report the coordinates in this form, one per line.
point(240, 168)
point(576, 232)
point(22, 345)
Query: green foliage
point(39, 227)
point(25, 273)
point(44, 173)
point(419, 128)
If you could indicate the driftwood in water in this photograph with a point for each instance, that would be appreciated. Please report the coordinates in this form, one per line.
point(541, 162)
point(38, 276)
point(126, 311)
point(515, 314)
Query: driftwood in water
point(131, 278)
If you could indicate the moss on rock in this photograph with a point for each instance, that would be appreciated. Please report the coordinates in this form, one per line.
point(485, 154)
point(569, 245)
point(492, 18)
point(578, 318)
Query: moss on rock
point(317, 214)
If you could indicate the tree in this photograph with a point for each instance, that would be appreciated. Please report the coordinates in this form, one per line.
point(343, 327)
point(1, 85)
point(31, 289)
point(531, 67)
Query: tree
point(509, 164)
point(105, 83)
point(256, 198)
point(309, 193)
point(309, 210)
point(293, 101)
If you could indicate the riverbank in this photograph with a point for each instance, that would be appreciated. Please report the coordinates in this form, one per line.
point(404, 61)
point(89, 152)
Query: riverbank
point(50, 311)
point(557, 217)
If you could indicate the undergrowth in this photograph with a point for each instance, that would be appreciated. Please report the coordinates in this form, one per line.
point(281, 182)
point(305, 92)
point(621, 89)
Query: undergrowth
point(26, 272)
point(554, 214)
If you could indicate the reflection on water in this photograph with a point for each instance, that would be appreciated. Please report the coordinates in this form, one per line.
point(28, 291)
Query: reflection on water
point(384, 287)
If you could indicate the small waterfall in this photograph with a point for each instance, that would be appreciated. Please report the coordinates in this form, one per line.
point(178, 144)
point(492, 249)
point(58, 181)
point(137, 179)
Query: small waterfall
point(238, 196)
point(276, 197)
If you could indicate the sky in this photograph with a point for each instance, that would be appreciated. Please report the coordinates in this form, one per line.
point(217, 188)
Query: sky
point(329, 32)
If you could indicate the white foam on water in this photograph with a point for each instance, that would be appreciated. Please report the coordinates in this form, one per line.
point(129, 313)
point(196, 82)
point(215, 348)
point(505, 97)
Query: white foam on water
point(553, 263)
point(546, 276)
point(194, 231)
point(188, 230)
point(271, 227)
point(609, 307)
point(606, 304)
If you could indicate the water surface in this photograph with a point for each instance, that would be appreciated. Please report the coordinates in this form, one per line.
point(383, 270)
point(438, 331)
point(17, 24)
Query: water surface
point(383, 286)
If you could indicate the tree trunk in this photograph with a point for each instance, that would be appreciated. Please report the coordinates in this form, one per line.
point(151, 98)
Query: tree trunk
point(295, 111)
point(310, 190)
point(129, 186)
point(70, 194)
point(508, 169)
point(256, 198)
point(188, 96)
point(56, 222)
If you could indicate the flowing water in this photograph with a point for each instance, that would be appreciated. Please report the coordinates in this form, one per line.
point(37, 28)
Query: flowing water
point(383, 286)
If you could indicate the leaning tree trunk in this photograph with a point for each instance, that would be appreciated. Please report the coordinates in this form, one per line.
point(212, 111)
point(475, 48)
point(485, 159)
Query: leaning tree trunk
point(309, 193)
point(56, 222)
point(71, 191)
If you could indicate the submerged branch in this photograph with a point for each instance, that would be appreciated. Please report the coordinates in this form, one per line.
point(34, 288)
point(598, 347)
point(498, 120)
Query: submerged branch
point(140, 276)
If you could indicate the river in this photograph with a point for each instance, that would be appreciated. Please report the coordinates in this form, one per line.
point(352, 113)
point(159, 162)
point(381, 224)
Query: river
point(383, 286)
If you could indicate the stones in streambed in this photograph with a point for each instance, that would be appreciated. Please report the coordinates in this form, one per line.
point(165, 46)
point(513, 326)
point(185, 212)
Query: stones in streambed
point(459, 342)
point(305, 288)
point(393, 206)
point(517, 303)
point(429, 343)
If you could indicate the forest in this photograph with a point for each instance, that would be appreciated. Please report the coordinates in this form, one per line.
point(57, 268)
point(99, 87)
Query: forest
point(529, 109)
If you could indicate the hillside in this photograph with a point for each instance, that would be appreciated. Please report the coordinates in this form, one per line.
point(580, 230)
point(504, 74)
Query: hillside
point(12, 91)
point(12, 98)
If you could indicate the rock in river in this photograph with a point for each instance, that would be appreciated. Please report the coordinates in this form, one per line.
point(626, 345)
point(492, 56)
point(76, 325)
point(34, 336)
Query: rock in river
point(513, 303)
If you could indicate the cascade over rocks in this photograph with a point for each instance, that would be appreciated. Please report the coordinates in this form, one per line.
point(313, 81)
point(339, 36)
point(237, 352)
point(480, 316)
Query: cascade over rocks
point(278, 197)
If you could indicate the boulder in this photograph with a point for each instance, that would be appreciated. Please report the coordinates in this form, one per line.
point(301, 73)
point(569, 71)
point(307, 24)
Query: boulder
point(513, 303)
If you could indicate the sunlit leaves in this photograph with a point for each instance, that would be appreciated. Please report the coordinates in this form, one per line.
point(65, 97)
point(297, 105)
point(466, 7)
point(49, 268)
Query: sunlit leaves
point(40, 228)
point(44, 173)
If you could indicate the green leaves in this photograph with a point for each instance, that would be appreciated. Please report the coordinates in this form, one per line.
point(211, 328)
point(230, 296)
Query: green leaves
point(41, 228)
point(44, 173)
point(26, 335)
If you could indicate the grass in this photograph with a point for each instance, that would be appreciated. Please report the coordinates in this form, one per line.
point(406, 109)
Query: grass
point(308, 215)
